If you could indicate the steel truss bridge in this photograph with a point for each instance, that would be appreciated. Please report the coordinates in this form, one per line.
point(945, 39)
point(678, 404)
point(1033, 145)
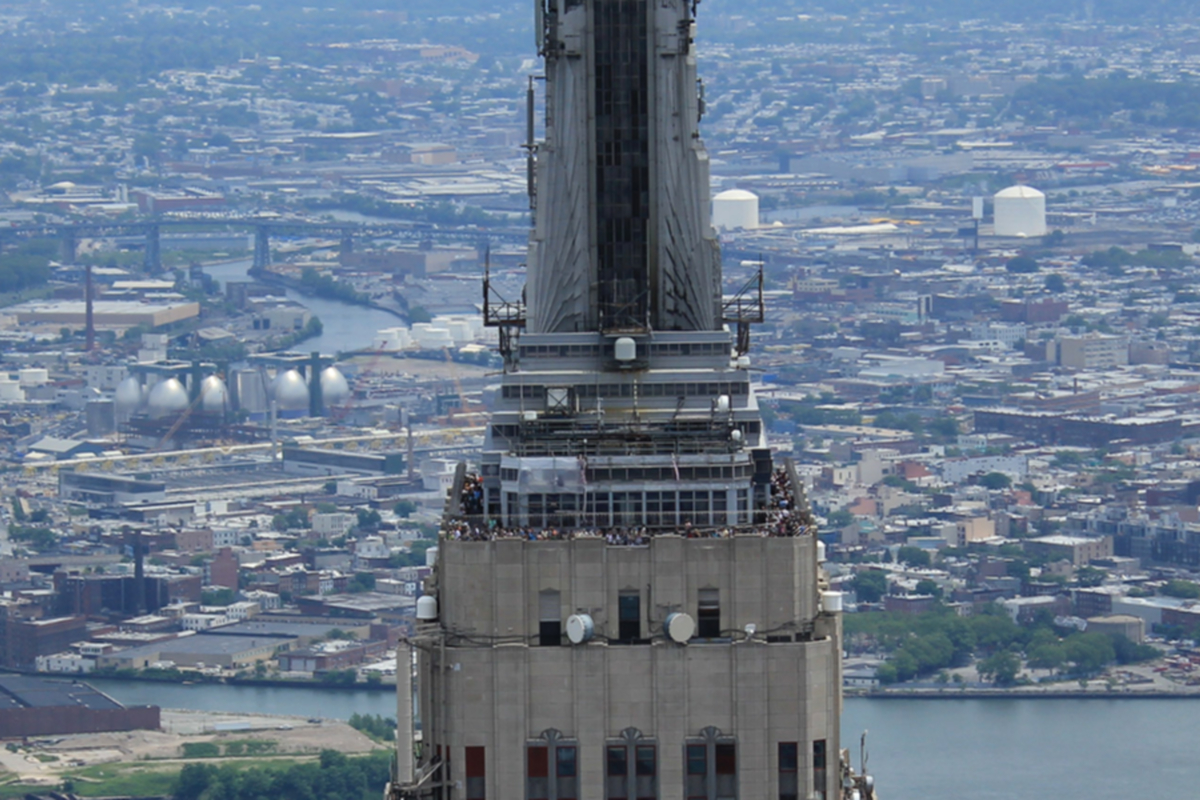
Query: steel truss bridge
point(70, 234)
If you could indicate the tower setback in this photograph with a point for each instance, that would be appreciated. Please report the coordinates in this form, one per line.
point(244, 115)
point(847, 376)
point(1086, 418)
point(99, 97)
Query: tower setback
point(628, 600)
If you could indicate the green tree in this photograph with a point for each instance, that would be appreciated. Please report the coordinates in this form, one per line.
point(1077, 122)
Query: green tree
point(1055, 283)
point(995, 481)
point(1021, 265)
point(929, 587)
point(1089, 653)
point(913, 556)
point(1000, 668)
point(870, 585)
point(368, 519)
point(404, 509)
point(1186, 590)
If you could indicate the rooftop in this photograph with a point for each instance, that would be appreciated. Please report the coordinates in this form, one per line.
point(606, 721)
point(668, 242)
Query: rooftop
point(26, 691)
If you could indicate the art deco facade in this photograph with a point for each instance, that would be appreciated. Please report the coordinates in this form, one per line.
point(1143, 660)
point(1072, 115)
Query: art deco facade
point(627, 601)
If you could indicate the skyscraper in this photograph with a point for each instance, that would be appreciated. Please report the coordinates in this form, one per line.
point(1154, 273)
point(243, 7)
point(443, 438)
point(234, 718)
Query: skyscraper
point(627, 600)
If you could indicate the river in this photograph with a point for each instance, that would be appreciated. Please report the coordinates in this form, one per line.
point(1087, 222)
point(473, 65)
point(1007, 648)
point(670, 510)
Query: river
point(346, 327)
point(996, 749)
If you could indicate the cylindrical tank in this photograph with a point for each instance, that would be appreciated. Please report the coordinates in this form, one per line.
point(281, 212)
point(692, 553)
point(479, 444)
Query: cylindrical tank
point(10, 390)
point(34, 376)
point(290, 391)
point(214, 397)
point(431, 557)
point(168, 397)
point(251, 391)
point(101, 417)
point(734, 209)
point(831, 602)
point(334, 388)
point(1020, 211)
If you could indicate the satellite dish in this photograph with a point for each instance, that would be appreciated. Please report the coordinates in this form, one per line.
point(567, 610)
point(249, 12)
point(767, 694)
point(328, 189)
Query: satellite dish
point(580, 628)
point(680, 627)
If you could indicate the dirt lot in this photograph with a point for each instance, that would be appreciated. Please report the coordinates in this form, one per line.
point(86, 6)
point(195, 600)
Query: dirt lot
point(49, 757)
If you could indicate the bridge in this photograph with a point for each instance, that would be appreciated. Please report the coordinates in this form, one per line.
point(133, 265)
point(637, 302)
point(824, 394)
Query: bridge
point(70, 234)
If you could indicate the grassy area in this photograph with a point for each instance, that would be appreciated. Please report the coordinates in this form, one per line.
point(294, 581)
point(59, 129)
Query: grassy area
point(36, 293)
point(134, 779)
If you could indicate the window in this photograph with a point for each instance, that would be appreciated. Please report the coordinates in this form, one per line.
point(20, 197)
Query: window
point(696, 787)
point(566, 773)
point(549, 619)
point(476, 773)
point(537, 773)
point(617, 773)
point(726, 770)
point(647, 772)
point(629, 617)
point(711, 772)
point(708, 615)
point(789, 786)
point(544, 783)
point(818, 763)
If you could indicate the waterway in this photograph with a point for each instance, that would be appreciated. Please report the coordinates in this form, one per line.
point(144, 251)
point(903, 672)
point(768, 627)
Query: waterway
point(994, 749)
point(346, 326)
point(288, 700)
point(1014, 749)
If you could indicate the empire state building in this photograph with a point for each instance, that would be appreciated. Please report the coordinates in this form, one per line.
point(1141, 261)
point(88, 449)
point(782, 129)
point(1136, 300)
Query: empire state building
point(628, 601)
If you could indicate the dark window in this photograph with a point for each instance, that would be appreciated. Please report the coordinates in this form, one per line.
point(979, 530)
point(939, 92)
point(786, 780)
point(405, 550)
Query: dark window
point(566, 771)
point(647, 772)
point(550, 619)
point(726, 770)
point(818, 763)
point(789, 785)
point(537, 774)
point(697, 772)
point(629, 617)
point(476, 773)
point(708, 615)
point(617, 773)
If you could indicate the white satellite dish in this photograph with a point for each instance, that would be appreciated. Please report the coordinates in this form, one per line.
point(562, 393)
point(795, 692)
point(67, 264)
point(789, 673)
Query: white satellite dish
point(680, 627)
point(580, 628)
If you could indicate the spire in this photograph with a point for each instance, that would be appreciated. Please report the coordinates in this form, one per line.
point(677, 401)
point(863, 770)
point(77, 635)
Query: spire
point(622, 240)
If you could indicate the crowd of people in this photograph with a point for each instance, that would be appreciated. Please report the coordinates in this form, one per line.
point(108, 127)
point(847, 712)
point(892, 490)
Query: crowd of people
point(782, 519)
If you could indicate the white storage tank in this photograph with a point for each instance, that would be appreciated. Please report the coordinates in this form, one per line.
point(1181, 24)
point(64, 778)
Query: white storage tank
point(1020, 211)
point(389, 340)
point(168, 397)
point(214, 396)
point(10, 390)
point(335, 390)
point(290, 391)
point(34, 376)
point(734, 209)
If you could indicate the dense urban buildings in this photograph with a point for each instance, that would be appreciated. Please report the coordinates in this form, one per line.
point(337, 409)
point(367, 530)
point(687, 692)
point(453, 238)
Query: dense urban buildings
point(976, 232)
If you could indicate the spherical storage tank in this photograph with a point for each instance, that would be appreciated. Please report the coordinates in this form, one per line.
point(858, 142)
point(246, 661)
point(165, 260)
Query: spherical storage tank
point(335, 391)
point(167, 397)
point(1020, 211)
point(290, 391)
point(214, 396)
point(128, 398)
point(735, 208)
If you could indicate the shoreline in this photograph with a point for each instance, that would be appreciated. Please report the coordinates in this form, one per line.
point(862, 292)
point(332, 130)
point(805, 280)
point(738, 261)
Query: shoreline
point(1009, 694)
point(269, 277)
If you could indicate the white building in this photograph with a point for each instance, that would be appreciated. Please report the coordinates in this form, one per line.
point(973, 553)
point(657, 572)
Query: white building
point(335, 523)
